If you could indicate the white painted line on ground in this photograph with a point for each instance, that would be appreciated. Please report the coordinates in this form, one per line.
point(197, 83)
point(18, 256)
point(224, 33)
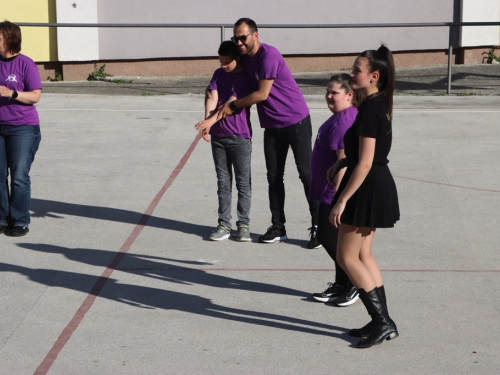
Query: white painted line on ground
point(449, 110)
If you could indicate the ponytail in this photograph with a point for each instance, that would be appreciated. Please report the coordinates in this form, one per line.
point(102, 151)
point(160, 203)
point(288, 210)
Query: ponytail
point(381, 60)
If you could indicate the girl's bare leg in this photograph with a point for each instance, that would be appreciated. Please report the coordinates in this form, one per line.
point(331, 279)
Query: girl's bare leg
point(369, 261)
point(350, 244)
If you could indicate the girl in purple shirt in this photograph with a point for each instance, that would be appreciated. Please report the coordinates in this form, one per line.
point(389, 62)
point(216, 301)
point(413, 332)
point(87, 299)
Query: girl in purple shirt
point(328, 148)
point(20, 89)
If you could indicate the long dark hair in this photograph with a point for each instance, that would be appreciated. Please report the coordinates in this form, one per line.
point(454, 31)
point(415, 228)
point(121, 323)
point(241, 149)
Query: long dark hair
point(344, 80)
point(381, 60)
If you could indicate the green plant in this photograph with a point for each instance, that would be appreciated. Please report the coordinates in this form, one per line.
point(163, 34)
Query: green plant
point(491, 57)
point(98, 74)
point(57, 77)
point(145, 94)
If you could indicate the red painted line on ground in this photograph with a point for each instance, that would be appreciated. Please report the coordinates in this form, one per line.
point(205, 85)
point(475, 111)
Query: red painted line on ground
point(291, 270)
point(99, 285)
point(444, 271)
point(450, 185)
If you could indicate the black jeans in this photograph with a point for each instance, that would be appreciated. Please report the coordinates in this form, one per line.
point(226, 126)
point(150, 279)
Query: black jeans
point(276, 145)
point(328, 236)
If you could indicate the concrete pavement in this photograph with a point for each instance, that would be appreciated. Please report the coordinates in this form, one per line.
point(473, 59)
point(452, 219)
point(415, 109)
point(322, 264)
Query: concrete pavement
point(467, 80)
point(117, 277)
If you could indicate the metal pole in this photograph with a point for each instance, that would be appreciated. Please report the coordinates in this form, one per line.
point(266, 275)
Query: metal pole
point(222, 34)
point(450, 55)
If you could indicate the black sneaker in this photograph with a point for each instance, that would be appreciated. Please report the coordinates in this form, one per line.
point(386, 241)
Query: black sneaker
point(349, 296)
point(313, 242)
point(17, 231)
point(3, 228)
point(274, 233)
point(330, 294)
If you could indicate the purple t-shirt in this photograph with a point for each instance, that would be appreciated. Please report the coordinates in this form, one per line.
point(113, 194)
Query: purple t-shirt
point(20, 74)
point(227, 85)
point(329, 139)
point(285, 105)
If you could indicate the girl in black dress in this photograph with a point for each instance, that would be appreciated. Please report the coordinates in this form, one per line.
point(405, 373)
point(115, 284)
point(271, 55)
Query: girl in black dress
point(367, 197)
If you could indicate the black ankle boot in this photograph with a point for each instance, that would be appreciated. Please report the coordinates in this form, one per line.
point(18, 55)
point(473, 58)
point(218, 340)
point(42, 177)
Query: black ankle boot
point(383, 327)
point(367, 329)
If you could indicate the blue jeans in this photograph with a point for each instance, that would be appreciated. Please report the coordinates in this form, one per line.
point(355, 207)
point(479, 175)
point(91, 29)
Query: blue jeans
point(229, 153)
point(18, 146)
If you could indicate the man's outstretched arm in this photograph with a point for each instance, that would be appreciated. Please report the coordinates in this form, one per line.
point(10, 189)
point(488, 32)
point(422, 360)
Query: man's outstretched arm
point(260, 95)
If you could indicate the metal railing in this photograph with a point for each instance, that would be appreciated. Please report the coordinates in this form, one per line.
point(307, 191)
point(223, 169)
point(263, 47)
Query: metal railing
point(222, 27)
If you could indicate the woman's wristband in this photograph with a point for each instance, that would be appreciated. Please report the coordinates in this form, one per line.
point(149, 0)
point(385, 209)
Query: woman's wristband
point(343, 163)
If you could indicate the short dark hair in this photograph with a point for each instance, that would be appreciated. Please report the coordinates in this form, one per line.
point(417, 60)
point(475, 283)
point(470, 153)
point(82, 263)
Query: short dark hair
point(12, 36)
point(228, 48)
point(251, 24)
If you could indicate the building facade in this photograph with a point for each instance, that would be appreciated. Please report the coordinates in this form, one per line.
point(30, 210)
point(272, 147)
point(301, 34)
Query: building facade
point(190, 51)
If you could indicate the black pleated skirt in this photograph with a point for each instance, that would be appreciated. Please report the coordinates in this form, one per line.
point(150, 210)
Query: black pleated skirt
point(375, 204)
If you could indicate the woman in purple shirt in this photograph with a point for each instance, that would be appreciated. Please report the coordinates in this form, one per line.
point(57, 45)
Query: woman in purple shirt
point(328, 148)
point(20, 89)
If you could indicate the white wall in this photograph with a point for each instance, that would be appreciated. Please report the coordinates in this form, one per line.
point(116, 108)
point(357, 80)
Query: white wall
point(82, 44)
point(150, 43)
point(77, 44)
point(480, 11)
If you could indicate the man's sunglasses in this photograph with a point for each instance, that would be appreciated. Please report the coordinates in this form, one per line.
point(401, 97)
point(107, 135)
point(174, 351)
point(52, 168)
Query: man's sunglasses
point(242, 38)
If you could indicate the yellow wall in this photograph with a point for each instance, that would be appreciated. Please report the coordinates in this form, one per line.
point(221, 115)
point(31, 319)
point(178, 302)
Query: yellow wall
point(39, 43)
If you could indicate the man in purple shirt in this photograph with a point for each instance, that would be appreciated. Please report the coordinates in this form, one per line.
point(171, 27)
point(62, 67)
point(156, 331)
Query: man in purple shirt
point(284, 115)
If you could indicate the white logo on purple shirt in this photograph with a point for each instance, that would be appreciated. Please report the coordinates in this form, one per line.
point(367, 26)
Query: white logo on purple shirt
point(11, 78)
point(233, 88)
point(256, 76)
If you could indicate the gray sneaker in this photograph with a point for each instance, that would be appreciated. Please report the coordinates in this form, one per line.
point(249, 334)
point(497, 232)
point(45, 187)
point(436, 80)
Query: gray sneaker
point(243, 234)
point(222, 232)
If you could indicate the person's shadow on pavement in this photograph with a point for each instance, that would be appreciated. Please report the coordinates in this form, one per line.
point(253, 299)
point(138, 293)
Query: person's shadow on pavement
point(151, 298)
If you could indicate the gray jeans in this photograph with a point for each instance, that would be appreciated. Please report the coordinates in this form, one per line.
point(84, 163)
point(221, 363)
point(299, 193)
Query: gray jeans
point(233, 153)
